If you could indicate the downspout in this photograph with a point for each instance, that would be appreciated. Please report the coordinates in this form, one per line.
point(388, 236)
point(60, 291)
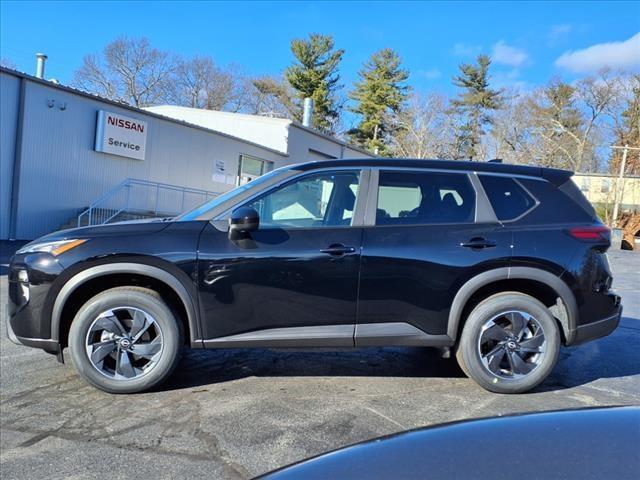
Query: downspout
point(17, 162)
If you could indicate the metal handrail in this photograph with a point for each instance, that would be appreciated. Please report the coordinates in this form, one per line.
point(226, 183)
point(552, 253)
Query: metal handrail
point(116, 201)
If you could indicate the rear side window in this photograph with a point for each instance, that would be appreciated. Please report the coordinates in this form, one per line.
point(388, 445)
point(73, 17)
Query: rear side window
point(411, 198)
point(508, 199)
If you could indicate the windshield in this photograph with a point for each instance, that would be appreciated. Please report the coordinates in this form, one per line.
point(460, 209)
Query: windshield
point(201, 210)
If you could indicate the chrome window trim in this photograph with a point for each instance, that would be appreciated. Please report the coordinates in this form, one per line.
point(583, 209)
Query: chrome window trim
point(368, 215)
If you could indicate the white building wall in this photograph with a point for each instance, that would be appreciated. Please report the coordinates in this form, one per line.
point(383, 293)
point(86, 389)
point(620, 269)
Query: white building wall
point(300, 143)
point(266, 131)
point(307, 145)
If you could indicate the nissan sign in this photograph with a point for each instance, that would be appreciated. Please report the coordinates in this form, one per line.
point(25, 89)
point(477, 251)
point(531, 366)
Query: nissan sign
point(120, 135)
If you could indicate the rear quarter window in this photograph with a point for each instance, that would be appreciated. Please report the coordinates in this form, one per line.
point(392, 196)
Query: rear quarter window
point(508, 198)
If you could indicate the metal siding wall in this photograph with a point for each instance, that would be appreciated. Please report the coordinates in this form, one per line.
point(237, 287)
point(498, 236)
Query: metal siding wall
point(9, 100)
point(61, 173)
point(300, 141)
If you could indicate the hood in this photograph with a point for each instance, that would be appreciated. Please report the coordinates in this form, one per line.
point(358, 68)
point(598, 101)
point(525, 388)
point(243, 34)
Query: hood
point(130, 227)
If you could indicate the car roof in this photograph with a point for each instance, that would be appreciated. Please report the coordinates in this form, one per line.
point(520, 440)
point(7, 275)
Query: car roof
point(555, 176)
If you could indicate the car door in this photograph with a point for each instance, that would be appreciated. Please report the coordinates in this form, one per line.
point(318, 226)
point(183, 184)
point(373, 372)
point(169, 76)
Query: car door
point(426, 233)
point(293, 281)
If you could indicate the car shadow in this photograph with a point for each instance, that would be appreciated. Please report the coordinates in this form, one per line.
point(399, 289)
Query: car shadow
point(203, 367)
point(614, 356)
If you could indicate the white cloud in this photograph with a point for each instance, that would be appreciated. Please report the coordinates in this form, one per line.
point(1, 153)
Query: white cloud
point(430, 74)
point(465, 50)
point(507, 55)
point(623, 55)
point(510, 81)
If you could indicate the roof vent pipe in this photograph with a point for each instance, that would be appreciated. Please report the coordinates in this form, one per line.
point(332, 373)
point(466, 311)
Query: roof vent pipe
point(41, 58)
point(307, 112)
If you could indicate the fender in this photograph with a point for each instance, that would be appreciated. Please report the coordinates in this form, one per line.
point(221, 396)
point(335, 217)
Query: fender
point(128, 267)
point(507, 273)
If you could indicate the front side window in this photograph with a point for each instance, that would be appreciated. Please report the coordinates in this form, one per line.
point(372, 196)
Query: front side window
point(316, 200)
point(410, 198)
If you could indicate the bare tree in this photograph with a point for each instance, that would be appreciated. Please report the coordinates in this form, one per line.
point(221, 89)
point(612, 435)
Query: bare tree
point(513, 138)
point(199, 83)
point(424, 128)
point(567, 120)
point(128, 70)
point(5, 62)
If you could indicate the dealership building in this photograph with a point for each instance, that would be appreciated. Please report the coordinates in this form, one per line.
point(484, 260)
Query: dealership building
point(68, 157)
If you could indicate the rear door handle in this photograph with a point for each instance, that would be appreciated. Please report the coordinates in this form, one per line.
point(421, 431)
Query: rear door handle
point(338, 249)
point(478, 243)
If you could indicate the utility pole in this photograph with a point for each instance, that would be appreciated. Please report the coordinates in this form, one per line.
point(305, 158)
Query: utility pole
point(620, 185)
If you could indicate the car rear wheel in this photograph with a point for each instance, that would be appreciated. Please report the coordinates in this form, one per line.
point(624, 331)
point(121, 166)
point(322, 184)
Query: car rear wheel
point(125, 340)
point(510, 343)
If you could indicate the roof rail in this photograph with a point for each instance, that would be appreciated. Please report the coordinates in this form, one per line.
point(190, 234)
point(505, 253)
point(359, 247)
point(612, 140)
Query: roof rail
point(495, 160)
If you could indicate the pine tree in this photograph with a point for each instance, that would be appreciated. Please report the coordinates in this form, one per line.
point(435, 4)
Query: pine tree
point(378, 94)
point(474, 104)
point(314, 75)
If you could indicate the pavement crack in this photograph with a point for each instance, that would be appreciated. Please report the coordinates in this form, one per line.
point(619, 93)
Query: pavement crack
point(382, 415)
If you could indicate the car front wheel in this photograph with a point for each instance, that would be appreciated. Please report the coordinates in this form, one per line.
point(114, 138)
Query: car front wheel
point(125, 340)
point(510, 343)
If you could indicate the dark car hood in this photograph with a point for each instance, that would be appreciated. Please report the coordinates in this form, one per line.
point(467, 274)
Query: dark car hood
point(130, 227)
point(586, 444)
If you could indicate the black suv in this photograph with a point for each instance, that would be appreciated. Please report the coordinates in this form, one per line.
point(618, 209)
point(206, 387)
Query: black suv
point(501, 263)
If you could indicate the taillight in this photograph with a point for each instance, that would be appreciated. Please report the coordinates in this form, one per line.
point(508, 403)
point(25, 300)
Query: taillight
point(591, 234)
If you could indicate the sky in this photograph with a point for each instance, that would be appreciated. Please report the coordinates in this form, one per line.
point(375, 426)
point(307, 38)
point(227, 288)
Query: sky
point(529, 42)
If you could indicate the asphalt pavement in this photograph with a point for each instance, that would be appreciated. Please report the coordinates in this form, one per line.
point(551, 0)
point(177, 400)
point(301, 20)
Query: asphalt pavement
point(231, 414)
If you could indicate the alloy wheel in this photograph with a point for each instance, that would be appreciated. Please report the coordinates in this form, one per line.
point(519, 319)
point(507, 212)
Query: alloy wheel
point(124, 343)
point(512, 344)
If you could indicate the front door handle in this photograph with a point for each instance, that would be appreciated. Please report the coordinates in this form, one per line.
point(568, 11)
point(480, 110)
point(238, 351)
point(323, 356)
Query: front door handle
point(478, 243)
point(338, 249)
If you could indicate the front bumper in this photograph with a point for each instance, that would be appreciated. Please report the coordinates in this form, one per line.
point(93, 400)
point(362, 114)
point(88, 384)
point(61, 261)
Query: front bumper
point(46, 344)
point(29, 282)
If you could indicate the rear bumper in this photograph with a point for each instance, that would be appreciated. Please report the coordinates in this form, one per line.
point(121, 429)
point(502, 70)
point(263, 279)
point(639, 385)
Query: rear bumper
point(597, 329)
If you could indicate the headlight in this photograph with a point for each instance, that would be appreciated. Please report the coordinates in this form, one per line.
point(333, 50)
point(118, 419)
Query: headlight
point(55, 248)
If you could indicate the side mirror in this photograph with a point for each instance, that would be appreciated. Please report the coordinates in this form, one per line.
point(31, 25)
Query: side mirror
point(243, 220)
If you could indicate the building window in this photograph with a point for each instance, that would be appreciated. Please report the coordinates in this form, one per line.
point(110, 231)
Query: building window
point(250, 168)
point(585, 184)
point(605, 186)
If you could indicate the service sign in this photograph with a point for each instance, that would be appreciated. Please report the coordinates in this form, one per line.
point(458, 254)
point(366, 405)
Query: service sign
point(120, 135)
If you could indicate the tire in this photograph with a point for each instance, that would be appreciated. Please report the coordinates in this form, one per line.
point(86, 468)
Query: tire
point(125, 340)
point(510, 343)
